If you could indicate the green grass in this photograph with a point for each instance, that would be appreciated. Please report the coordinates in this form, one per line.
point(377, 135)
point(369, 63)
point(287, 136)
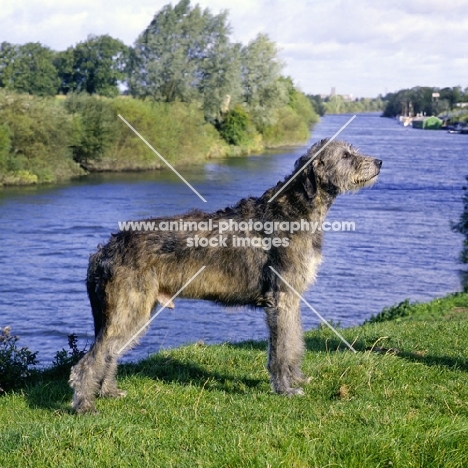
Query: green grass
point(401, 401)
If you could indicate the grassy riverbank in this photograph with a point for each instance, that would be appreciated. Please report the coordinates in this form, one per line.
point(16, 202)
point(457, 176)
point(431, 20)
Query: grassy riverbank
point(46, 140)
point(402, 400)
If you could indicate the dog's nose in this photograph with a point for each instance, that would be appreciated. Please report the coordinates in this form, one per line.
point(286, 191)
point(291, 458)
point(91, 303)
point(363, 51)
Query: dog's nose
point(378, 163)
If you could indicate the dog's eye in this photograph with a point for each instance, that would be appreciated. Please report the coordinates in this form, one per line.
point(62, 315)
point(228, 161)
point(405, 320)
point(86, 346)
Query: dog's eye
point(346, 155)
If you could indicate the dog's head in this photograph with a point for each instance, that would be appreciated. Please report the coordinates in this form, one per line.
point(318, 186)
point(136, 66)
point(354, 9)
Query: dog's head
point(336, 168)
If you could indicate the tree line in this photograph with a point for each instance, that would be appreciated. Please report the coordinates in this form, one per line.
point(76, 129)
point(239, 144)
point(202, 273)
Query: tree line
point(336, 104)
point(232, 98)
point(424, 100)
point(95, 66)
point(185, 54)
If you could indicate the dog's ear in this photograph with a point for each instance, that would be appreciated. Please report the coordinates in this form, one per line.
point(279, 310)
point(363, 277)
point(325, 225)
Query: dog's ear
point(310, 182)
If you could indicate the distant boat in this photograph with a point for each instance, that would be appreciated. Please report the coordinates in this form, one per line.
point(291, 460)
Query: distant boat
point(458, 129)
point(427, 123)
point(404, 120)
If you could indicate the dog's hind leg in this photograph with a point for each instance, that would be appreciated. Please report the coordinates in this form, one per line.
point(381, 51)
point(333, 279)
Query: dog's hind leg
point(126, 312)
point(286, 345)
point(108, 386)
point(86, 376)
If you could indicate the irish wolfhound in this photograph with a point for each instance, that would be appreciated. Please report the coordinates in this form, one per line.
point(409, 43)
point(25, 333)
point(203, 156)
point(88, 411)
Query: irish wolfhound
point(136, 270)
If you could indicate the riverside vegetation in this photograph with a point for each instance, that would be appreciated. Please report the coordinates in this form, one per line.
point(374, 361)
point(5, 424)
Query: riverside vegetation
point(449, 103)
point(402, 400)
point(45, 140)
point(338, 105)
point(190, 91)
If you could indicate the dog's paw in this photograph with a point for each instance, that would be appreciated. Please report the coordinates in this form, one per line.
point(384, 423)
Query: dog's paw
point(84, 408)
point(290, 392)
point(294, 392)
point(114, 393)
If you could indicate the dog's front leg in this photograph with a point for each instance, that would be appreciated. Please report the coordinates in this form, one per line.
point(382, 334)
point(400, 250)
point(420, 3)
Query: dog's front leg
point(286, 345)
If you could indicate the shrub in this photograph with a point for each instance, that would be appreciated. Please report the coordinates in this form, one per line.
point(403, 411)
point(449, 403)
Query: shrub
point(403, 309)
point(236, 128)
point(38, 138)
point(95, 126)
point(303, 107)
point(15, 362)
point(178, 131)
point(290, 128)
point(65, 359)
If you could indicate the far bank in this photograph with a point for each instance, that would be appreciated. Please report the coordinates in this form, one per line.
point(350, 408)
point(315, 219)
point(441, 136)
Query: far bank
point(48, 140)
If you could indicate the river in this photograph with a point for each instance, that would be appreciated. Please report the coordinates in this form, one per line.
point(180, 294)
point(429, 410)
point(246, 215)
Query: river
point(402, 246)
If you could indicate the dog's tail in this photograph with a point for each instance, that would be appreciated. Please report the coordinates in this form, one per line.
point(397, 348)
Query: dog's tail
point(95, 283)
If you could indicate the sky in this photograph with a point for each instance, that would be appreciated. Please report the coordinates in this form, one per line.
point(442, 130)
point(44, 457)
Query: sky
point(360, 47)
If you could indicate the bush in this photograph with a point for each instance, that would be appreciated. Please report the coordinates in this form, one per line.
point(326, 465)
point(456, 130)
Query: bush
point(15, 362)
point(48, 139)
point(178, 131)
point(317, 104)
point(290, 128)
point(54, 139)
point(65, 359)
point(292, 122)
point(403, 309)
point(303, 107)
point(236, 128)
point(95, 127)
point(34, 140)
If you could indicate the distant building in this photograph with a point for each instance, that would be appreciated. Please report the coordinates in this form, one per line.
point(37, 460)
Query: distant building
point(345, 97)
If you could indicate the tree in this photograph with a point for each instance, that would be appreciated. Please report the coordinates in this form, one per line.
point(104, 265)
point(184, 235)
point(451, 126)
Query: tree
point(185, 55)
point(423, 102)
point(95, 66)
point(452, 95)
point(95, 127)
point(28, 69)
point(334, 104)
point(317, 103)
point(263, 91)
point(298, 101)
point(221, 85)
point(63, 62)
point(420, 100)
point(8, 53)
point(163, 59)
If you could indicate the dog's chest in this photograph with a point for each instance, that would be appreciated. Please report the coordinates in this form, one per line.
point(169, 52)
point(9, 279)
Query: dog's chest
point(308, 252)
point(311, 266)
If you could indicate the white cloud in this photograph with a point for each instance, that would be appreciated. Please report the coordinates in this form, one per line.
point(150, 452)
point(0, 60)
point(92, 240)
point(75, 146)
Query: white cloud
point(363, 47)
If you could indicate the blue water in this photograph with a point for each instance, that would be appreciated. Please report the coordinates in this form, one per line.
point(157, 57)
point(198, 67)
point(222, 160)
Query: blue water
point(402, 246)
